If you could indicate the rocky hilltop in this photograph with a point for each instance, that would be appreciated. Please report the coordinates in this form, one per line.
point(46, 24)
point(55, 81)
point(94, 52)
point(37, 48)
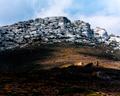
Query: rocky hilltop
point(54, 56)
point(51, 30)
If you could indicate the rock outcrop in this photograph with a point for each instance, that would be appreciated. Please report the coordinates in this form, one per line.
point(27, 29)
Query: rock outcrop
point(50, 30)
point(101, 34)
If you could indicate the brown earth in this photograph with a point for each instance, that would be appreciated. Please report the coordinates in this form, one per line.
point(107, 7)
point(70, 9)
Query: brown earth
point(74, 56)
point(66, 74)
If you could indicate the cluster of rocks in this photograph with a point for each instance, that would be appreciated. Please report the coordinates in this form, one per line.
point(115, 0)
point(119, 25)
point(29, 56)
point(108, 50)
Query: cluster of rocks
point(49, 30)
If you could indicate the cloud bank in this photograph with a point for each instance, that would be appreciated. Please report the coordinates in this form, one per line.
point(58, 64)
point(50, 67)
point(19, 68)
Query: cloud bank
point(55, 8)
point(103, 13)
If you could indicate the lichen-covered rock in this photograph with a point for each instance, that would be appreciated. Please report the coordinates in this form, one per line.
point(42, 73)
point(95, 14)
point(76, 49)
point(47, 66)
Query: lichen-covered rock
point(49, 30)
point(101, 34)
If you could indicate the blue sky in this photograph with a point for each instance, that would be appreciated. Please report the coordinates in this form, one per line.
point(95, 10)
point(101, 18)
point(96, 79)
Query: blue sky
point(99, 13)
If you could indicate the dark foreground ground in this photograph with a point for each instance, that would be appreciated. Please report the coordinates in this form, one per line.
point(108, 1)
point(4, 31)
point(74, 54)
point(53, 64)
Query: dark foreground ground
point(59, 71)
point(88, 80)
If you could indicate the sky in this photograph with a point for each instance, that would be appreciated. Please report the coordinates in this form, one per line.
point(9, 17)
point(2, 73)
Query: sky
point(99, 13)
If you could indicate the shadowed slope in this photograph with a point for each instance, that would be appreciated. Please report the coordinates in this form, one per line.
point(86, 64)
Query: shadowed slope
point(50, 56)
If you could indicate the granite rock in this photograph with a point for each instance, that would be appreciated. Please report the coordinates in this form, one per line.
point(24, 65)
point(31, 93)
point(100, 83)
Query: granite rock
point(50, 30)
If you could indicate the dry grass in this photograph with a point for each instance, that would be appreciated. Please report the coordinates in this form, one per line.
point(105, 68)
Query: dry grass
point(65, 56)
point(60, 81)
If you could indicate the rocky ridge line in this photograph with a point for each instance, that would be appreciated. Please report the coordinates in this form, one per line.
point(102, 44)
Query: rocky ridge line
point(52, 30)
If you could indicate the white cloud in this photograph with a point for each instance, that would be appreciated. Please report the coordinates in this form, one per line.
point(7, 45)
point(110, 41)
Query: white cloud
point(18, 10)
point(110, 23)
point(112, 7)
point(55, 8)
point(109, 18)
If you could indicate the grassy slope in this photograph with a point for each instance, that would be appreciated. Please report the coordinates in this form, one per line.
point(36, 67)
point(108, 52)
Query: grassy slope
point(49, 56)
point(69, 55)
point(47, 82)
